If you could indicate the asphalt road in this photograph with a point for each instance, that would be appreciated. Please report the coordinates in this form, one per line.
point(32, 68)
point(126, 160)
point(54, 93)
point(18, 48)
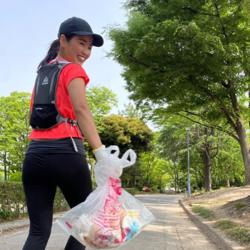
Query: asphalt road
point(172, 230)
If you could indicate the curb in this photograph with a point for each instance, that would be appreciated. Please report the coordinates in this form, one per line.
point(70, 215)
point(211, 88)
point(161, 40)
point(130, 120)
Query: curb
point(207, 230)
point(12, 226)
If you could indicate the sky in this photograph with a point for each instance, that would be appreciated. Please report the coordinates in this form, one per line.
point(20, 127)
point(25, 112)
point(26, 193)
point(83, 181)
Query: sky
point(28, 27)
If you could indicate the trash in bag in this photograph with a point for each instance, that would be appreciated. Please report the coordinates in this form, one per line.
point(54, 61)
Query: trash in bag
point(110, 216)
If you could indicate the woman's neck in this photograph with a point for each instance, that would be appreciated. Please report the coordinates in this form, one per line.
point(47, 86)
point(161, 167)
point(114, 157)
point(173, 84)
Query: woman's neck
point(60, 58)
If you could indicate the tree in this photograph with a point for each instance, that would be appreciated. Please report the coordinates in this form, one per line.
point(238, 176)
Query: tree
point(190, 54)
point(206, 144)
point(133, 111)
point(215, 156)
point(153, 171)
point(14, 130)
point(101, 100)
point(227, 168)
point(171, 144)
point(126, 133)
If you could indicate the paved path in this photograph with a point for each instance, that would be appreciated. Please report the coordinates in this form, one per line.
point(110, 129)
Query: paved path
point(172, 230)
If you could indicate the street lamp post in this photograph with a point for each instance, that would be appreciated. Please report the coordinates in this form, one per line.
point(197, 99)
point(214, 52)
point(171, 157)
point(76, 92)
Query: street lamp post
point(188, 165)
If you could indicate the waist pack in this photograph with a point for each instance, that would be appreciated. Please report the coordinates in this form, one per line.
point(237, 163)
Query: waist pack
point(45, 113)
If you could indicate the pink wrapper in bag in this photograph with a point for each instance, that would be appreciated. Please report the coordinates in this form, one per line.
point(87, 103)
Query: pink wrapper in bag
point(107, 221)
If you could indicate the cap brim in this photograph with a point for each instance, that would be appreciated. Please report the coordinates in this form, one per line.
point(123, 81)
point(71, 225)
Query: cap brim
point(97, 39)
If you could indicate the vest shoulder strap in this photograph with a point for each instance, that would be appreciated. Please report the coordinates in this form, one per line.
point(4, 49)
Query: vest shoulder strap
point(46, 83)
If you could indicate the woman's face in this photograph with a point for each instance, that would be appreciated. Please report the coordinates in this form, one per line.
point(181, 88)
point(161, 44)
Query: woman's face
point(77, 49)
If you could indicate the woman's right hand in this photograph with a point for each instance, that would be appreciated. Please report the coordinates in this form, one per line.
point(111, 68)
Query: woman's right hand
point(108, 164)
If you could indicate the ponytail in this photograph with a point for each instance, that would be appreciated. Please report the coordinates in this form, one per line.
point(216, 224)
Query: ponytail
point(52, 53)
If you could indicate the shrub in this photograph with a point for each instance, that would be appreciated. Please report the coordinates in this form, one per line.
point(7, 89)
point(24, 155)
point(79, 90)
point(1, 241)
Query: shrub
point(132, 191)
point(16, 177)
point(12, 201)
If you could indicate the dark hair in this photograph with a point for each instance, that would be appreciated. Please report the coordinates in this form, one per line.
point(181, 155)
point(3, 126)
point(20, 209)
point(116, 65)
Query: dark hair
point(53, 51)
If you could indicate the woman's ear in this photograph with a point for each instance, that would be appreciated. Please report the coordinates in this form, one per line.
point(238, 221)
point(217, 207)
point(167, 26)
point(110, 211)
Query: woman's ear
point(62, 40)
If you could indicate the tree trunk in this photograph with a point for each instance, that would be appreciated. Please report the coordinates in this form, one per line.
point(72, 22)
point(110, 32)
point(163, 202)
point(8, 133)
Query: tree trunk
point(5, 166)
point(207, 170)
point(175, 177)
point(228, 183)
point(244, 150)
point(178, 181)
point(249, 106)
point(206, 156)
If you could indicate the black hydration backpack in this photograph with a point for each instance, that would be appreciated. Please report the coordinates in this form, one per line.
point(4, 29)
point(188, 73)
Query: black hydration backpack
point(45, 114)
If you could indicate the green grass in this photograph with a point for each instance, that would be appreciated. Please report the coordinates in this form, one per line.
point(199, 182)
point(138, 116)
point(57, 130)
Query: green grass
point(239, 205)
point(234, 231)
point(225, 224)
point(240, 234)
point(203, 212)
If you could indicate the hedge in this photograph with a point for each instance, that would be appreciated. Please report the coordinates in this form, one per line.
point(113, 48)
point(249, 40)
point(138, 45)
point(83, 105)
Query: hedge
point(12, 201)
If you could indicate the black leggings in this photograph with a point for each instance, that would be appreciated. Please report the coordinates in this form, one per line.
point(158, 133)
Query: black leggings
point(42, 173)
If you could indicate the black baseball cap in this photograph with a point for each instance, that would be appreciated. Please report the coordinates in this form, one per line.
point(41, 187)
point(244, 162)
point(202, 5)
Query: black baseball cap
point(78, 26)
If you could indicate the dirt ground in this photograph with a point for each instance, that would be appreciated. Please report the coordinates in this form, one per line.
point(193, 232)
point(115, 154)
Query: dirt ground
point(227, 203)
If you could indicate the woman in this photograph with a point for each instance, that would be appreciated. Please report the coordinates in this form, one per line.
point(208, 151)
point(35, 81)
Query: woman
point(55, 156)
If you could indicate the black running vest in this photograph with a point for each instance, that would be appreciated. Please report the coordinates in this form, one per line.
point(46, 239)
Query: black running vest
point(45, 113)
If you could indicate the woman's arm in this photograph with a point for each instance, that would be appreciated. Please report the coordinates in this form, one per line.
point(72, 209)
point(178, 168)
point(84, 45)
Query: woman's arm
point(84, 117)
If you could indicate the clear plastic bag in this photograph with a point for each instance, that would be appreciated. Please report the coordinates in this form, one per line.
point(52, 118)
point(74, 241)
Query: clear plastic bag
point(109, 217)
point(112, 165)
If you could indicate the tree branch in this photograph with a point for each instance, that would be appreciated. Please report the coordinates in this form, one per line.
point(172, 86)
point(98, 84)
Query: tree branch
point(195, 11)
point(222, 106)
point(219, 17)
point(209, 125)
point(224, 84)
